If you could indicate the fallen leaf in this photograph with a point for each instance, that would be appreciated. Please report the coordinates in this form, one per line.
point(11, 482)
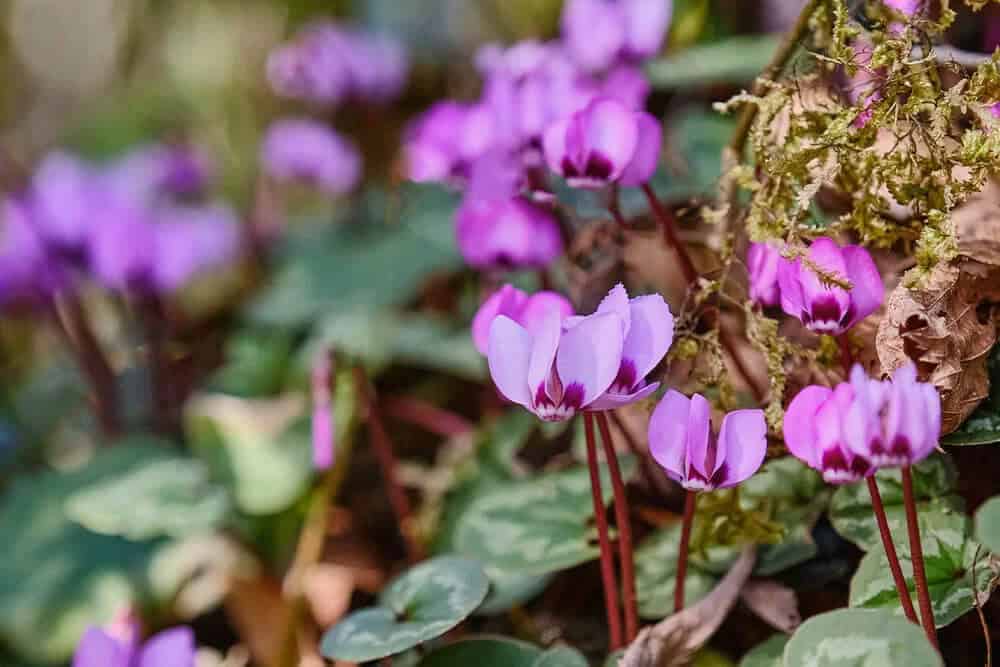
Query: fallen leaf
point(977, 225)
point(775, 604)
point(946, 327)
point(674, 641)
point(259, 614)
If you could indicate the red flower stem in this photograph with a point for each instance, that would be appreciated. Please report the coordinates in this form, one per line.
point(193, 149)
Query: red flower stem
point(690, 498)
point(426, 415)
point(890, 550)
point(603, 540)
point(156, 324)
point(669, 226)
point(917, 557)
point(79, 336)
point(382, 446)
point(846, 358)
point(614, 207)
point(622, 519)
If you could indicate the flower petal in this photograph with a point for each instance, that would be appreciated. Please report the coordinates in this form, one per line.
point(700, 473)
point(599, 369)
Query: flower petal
point(819, 297)
point(589, 356)
point(611, 134)
point(800, 425)
point(594, 32)
point(743, 438)
point(98, 649)
point(545, 342)
point(647, 152)
point(170, 648)
point(509, 355)
point(554, 145)
point(650, 333)
point(617, 302)
point(699, 434)
point(667, 433)
point(646, 26)
point(505, 301)
point(792, 299)
point(612, 401)
point(539, 305)
point(868, 290)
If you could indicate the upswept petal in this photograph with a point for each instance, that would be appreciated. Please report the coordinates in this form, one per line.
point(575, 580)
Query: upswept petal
point(646, 24)
point(505, 301)
point(800, 423)
point(868, 291)
point(792, 299)
point(554, 145)
point(647, 151)
point(742, 444)
point(616, 301)
point(612, 133)
point(699, 435)
point(98, 649)
point(827, 255)
point(509, 355)
point(545, 342)
point(589, 356)
point(650, 333)
point(170, 648)
point(611, 401)
point(539, 305)
point(667, 432)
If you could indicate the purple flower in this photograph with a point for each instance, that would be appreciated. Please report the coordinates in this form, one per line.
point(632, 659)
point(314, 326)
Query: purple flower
point(826, 308)
point(604, 143)
point(564, 365)
point(598, 33)
point(323, 429)
point(121, 246)
point(308, 151)
point(101, 648)
point(61, 201)
point(527, 311)
point(763, 260)
point(26, 271)
point(628, 85)
point(442, 144)
point(506, 233)
point(153, 171)
point(648, 327)
point(682, 442)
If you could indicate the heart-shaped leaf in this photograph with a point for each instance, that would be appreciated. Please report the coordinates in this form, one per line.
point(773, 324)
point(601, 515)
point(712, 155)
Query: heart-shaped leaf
point(656, 574)
point(419, 605)
point(484, 652)
point(734, 60)
point(536, 526)
point(560, 656)
point(988, 524)
point(934, 488)
point(950, 560)
point(860, 638)
point(163, 496)
point(767, 654)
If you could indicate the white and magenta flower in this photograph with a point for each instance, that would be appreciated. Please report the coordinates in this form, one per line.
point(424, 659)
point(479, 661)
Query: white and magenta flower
point(827, 308)
point(605, 142)
point(562, 366)
point(526, 310)
point(507, 233)
point(307, 151)
point(682, 441)
point(599, 33)
point(763, 260)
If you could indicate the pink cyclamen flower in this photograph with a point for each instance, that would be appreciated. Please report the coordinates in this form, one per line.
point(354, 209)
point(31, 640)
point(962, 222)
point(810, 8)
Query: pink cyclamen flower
point(442, 143)
point(323, 428)
point(604, 143)
point(120, 647)
point(763, 260)
point(527, 310)
point(681, 440)
point(599, 33)
point(307, 151)
point(905, 7)
point(507, 234)
point(826, 308)
point(579, 363)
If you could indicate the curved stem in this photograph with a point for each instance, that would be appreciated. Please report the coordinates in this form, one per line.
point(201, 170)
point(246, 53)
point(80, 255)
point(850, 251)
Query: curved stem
point(622, 519)
point(682, 551)
point(604, 541)
point(890, 550)
point(917, 557)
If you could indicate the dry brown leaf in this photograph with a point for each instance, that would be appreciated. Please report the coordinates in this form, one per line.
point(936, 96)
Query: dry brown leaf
point(945, 327)
point(977, 225)
point(674, 641)
point(259, 614)
point(775, 604)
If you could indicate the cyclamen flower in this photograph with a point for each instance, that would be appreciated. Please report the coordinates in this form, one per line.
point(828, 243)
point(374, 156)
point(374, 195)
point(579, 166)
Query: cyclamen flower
point(61, 201)
point(323, 428)
point(581, 363)
point(443, 143)
point(26, 271)
point(604, 143)
point(763, 260)
point(682, 442)
point(507, 233)
point(153, 171)
point(307, 151)
point(831, 309)
point(526, 310)
point(121, 648)
point(600, 32)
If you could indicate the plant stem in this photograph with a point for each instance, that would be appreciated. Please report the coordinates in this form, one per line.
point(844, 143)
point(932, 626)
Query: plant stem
point(603, 540)
point(382, 446)
point(622, 519)
point(690, 498)
point(79, 336)
point(156, 323)
point(890, 550)
point(614, 207)
point(917, 557)
point(668, 225)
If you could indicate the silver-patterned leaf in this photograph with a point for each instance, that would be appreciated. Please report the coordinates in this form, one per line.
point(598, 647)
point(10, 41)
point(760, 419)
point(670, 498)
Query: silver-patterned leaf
point(860, 638)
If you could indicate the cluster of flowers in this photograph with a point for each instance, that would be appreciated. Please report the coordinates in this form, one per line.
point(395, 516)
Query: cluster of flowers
point(572, 107)
point(139, 224)
point(325, 65)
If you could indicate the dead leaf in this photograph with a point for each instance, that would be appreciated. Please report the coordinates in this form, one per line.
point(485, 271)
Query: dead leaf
point(946, 327)
point(259, 614)
point(977, 225)
point(775, 604)
point(328, 588)
point(595, 263)
point(674, 641)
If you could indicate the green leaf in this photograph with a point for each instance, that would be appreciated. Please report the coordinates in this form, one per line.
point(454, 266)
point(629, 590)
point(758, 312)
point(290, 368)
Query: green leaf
point(983, 426)
point(423, 603)
point(766, 654)
point(534, 527)
point(57, 577)
point(656, 573)
point(988, 524)
point(164, 496)
point(377, 261)
point(860, 638)
point(733, 60)
point(934, 486)
point(949, 559)
point(485, 652)
point(256, 363)
point(261, 448)
point(560, 656)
